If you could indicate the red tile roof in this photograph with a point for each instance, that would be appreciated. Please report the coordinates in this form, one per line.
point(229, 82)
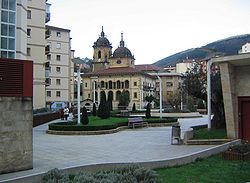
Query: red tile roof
point(148, 67)
point(115, 71)
point(139, 69)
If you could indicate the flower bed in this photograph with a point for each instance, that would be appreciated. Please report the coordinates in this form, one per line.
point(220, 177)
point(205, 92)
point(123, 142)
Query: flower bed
point(237, 152)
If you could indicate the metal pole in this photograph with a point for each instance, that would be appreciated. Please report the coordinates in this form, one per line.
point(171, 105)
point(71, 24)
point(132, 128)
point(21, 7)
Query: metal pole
point(160, 95)
point(78, 95)
point(209, 63)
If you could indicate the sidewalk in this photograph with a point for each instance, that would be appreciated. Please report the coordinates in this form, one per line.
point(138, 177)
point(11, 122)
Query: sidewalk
point(132, 145)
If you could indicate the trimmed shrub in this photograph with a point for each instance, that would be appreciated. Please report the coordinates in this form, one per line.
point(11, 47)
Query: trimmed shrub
point(72, 126)
point(103, 109)
point(94, 109)
point(148, 111)
point(84, 117)
point(133, 108)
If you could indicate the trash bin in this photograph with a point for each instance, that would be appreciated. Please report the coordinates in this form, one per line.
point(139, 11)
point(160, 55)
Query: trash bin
point(176, 134)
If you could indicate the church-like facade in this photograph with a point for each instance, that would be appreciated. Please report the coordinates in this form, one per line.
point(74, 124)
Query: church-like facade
point(115, 72)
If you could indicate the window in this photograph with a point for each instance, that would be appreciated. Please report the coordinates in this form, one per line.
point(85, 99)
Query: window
point(58, 69)
point(58, 45)
point(135, 83)
point(118, 61)
point(48, 93)
point(28, 14)
point(48, 57)
point(99, 54)
point(58, 34)
point(169, 84)
point(28, 32)
point(58, 81)
point(86, 84)
point(58, 57)
point(135, 94)
point(28, 51)
point(58, 94)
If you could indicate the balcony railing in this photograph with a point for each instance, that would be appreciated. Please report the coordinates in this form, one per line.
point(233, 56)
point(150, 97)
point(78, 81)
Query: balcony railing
point(47, 33)
point(47, 49)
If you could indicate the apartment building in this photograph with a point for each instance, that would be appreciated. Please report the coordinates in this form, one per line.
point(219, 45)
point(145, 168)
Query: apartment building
point(37, 15)
point(59, 68)
point(245, 48)
point(23, 37)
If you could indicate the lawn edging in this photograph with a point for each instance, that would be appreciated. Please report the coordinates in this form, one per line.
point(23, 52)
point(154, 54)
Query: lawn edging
point(177, 161)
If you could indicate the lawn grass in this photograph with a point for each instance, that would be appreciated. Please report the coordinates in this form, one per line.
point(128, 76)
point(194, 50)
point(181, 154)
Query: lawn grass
point(212, 169)
point(96, 121)
point(203, 133)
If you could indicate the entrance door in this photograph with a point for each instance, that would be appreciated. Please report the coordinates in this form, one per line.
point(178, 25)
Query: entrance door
point(244, 111)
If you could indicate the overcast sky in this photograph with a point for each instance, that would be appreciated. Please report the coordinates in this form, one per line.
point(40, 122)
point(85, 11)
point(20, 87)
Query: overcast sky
point(152, 29)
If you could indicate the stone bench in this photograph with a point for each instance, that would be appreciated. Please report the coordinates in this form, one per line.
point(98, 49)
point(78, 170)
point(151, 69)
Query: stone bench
point(138, 121)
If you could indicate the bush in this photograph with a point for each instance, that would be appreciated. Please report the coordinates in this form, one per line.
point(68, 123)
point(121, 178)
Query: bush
point(148, 111)
point(126, 174)
point(54, 176)
point(133, 108)
point(84, 117)
point(103, 109)
point(72, 126)
point(94, 109)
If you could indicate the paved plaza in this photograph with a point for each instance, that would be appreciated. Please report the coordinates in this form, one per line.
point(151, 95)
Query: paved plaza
point(130, 145)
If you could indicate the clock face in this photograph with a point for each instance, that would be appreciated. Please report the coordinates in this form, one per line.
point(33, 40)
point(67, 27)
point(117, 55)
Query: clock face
point(118, 61)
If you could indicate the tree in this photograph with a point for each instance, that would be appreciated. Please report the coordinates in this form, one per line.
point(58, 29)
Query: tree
point(195, 83)
point(84, 117)
point(148, 111)
point(103, 109)
point(150, 98)
point(175, 101)
point(94, 109)
point(124, 99)
point(133, 108)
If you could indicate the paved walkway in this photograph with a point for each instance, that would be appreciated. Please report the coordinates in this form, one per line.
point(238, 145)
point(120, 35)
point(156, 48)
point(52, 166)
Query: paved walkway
point(132, 145)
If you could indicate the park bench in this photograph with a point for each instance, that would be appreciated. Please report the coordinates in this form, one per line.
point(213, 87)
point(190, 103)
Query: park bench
point(138, 121)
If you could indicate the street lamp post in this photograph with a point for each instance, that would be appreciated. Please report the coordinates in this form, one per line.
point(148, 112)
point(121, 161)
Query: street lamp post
point(79, 63)
point(209, 63)
point(160, 95)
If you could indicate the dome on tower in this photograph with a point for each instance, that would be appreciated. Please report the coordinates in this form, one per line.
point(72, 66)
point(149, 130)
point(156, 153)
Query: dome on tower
point(102, 41)
point(122, 51)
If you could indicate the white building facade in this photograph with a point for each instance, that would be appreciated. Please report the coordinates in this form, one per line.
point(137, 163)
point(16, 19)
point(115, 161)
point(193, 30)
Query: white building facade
point(60, 68)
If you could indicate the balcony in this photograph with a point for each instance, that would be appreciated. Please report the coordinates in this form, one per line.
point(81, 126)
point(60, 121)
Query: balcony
point(47, 18)
point(47, 33)
point(47, 50)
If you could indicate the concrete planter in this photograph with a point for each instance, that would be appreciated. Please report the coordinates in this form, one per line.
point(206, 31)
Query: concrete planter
point(230, 155)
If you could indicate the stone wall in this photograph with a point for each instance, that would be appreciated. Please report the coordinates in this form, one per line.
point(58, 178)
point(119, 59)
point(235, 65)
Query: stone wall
point(16, 123)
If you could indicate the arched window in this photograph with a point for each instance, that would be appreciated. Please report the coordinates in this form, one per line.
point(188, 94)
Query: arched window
point(114, 85)
point(102, 84)
point(99, 54)
point(110, 96)
point(118, 84)
point(122, 85)
point(126, 84)
point(110, 84)
point(118, 94)
point(127, 92)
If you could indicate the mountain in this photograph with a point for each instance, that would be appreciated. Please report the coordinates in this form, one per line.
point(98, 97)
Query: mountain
point(228, 46)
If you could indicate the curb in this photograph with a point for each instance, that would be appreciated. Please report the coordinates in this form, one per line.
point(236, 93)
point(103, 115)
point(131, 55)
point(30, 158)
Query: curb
point(102, 132)
point(151, 164)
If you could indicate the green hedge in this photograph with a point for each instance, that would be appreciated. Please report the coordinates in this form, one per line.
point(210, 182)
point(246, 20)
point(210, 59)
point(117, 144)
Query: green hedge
point(163, 120)
point(72, 126)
